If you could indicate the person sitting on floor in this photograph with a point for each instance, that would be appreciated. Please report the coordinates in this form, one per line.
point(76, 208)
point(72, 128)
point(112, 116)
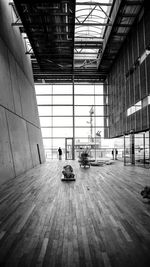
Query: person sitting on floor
point(146, 192)
point(68, 171)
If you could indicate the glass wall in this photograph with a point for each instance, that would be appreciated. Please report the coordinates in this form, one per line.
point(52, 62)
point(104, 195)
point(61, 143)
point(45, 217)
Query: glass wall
point(76, 112)
point(137, 149)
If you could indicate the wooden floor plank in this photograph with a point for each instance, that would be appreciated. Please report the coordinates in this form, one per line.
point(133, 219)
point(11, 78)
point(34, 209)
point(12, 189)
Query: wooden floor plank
point(99, 220)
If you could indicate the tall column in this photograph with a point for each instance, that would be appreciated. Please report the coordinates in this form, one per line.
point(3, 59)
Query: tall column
point(144, 148)
point(124, 150)
point(132, 152)
point(73, 111)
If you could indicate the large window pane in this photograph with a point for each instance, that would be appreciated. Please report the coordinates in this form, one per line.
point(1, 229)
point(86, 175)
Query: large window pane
point(59, 142)
point(82, 121)
point(57, 117)
point(45, 111)
point(60, 100)
point(84, 89)
point(86, 132)
point(62, 89)
point(65, 121)
point(44, 100)
point(46, 89)
point(85, 110)
point(99, 89)
point(84, 100)
point(62, 132)
point(99, 111)
point(81, 141)
point(62, 110)
point(82, 111)
point(83, 132)
point(99, 100)
point(47, 143)
point(46, 121)
point(87, 122)
point(99, 121)
point(46, 132)
point(48, 153)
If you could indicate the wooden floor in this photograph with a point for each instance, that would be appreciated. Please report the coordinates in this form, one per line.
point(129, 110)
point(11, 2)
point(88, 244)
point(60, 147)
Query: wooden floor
point(98, 220)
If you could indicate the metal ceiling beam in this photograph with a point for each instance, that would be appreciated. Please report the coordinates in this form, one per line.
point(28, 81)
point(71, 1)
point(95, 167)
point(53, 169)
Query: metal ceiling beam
point(122, 25)
point(51, 33)
point(51, 41)
point(41, 1)
point(124, 15)
point(88, 47)
point(52, 14)
point(79, 72)
point(89, 37)
point(54, 54)
point(134, 3)
point(85, 53)
point(120, 34)
point(62, 24)
point(93, 24)
point(88, 42)
point(93, 4)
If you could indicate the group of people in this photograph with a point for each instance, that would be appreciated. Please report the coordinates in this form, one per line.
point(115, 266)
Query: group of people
point(114, 153)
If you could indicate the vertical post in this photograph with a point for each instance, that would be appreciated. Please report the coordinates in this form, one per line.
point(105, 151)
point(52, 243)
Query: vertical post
point(73, 111)
point(95, 136)
point(52, 148)
point(39, 155)
point(124, 150)
point(144, 148)
point(65, 148)
point(132, 152)
point(149, 148)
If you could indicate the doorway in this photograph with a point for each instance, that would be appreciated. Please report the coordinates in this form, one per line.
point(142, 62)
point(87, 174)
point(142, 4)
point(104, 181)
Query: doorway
point(69, 148)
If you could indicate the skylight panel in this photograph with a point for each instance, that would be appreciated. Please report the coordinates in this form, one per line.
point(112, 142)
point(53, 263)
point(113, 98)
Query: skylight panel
point(91, 18)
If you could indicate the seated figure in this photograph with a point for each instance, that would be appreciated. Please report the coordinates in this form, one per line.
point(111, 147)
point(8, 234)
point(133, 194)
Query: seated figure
point(146, 192)
point(68, 171)
point(84, 159)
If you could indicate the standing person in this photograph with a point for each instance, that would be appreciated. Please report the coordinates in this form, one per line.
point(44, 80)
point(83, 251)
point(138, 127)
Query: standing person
point(116, 153)
point(60, 152)
point(112, 154)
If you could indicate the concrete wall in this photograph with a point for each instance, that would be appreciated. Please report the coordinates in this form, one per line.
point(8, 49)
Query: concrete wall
point(19, 123)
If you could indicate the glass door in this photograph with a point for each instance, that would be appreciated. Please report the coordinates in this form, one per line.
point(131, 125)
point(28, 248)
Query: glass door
point(129, 149)
point(69, 148)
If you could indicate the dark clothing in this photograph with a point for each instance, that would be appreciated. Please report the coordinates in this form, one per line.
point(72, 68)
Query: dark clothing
point(59, 151)
point(116, 153)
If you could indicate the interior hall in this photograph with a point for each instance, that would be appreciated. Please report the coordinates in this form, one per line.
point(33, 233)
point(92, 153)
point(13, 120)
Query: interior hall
point(74, 133)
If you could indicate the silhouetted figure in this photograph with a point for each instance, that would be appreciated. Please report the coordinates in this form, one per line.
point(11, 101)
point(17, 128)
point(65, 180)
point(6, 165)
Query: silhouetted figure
point(116, 153)
point(112, 154)
point(60, 152)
